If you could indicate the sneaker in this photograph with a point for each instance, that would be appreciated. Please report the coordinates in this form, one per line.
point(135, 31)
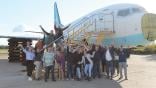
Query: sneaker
point(67, 79)
point(78, 79)
point(99, 76)
point(29, 79)
point(53, 80)
point(120, 78)
point(89, 79)
point(37, 79)
point(45, 80)
point(111, 78)
point(126, 78)
point(86, 78)
point(107, 77)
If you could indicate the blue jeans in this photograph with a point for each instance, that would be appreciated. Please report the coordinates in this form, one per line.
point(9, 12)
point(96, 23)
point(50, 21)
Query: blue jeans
point(88, 70)
point(78, 72)
point(109, 68)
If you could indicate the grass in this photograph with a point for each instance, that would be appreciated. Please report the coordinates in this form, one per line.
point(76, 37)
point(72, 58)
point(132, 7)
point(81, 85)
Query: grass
point(3, 51)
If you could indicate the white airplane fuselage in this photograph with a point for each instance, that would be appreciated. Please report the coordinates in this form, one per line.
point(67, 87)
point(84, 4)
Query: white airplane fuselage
point(119, 24)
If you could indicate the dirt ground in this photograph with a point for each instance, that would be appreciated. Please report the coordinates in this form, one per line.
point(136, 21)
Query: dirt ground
point(141, 74)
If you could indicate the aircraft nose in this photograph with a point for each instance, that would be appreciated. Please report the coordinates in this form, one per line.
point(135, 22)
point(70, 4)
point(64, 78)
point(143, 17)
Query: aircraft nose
point(148, 25)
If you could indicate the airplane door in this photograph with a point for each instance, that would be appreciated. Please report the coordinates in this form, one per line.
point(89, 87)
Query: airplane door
point(104, 22)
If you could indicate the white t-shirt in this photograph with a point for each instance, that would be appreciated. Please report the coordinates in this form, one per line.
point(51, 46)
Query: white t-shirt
point(108, 55)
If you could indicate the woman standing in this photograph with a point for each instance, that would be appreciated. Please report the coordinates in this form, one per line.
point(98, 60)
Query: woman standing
point(61, 62)
point(87, 61)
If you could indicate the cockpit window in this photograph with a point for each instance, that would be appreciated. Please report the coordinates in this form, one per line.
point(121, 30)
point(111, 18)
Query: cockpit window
point(136, 10)
point(124, 12)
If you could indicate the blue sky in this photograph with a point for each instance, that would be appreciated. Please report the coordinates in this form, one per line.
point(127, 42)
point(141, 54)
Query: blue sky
point(40, 12)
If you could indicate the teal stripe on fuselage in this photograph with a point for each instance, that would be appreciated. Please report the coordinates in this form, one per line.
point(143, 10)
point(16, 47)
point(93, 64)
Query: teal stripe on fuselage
point(132, 40)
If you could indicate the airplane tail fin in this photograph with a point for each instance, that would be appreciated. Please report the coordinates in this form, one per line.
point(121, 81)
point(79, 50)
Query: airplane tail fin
point(57, 21)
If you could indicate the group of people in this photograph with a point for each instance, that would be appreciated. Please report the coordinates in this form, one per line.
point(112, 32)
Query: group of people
point(75, 62)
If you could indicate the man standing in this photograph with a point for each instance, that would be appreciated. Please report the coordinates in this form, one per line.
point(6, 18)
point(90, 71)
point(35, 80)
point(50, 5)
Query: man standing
point(96, 62)
point(30, 55)
point(103, 59)
point(48, 62)
point(109, 63)
point(123, 62)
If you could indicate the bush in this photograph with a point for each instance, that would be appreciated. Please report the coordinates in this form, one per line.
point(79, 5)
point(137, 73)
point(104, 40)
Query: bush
point(150, 49)
point(3, 47)
point(138, 51)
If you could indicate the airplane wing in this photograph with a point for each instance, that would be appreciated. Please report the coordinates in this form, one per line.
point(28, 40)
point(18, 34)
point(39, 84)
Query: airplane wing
point(34, 32)
point(23, 31)
point(27, 35)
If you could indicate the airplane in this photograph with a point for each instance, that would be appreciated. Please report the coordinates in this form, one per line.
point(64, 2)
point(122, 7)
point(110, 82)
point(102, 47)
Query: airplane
point(118, 24)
